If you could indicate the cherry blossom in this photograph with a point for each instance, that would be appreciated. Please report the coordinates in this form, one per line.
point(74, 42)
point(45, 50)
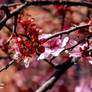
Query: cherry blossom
point(53, 46)
point(80, 51)
point(17, 54)
point(26, 62)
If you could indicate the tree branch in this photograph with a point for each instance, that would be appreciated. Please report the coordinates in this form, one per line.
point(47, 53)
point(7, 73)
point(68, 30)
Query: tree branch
point(70, 48)
point(51, 63)
point(6, 66)
point(56, 75)
point(68, 3)
point(68, 31)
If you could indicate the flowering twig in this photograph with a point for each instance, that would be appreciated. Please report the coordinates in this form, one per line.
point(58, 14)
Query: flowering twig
point(70, 48)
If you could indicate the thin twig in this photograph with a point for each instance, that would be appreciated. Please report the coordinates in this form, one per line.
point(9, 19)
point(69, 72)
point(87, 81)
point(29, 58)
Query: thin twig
point(6, 66)
point(70, 48)
point(14, 29)
point(68, 31)
point(51, 63)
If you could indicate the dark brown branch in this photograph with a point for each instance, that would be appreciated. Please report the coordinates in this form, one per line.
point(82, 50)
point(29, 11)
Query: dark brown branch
point(68, 31)
point(68, 3)
point(15, 23)
point(5, 8)
point(23, 1)
point(13, 13)
point(14, 28)
point(56, 75)
point(6, 66)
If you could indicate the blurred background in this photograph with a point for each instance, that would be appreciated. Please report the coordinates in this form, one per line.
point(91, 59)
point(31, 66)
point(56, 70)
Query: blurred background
point(17, 78)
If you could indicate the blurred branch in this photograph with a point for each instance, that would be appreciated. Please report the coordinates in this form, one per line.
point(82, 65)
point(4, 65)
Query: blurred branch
point(56, 75)
point(68, 31)
point(23, 1)
point(15, 23)
point(5, 8)
point(6, 66)
point(4, 57)
point(9, 5)
point(14, 28)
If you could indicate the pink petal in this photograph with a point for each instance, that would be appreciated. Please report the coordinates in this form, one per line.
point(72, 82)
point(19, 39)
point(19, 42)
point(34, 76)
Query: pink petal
point(56, 53)
point(26, 62)
point(72, 42)
point(45, 54)
point(66, 39)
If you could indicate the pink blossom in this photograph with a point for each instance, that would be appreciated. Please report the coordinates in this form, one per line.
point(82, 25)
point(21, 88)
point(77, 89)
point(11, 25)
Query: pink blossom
point(17, 54)
point(76, 52)
point(54, 46)
point(15, 47)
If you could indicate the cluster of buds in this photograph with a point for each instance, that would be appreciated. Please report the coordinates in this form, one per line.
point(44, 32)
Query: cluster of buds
point(29, 43)
point(85, 50)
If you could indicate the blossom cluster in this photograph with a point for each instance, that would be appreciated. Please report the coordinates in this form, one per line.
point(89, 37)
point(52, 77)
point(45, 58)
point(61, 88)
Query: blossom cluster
point(28, 44)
